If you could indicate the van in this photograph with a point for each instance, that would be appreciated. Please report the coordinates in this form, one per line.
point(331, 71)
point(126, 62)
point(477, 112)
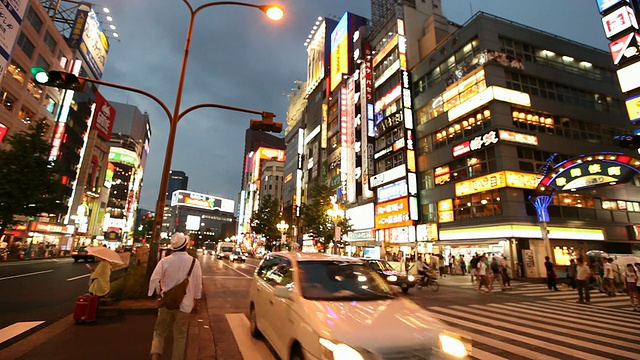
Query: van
point(225, 249)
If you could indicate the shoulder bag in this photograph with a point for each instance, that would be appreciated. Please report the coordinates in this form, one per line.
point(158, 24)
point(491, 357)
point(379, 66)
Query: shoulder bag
point(172, 298)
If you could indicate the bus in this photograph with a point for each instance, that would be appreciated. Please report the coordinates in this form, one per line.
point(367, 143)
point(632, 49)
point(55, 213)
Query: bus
point(225, 248)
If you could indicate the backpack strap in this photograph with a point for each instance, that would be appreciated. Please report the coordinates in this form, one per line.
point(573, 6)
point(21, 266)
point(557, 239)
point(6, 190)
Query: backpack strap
point(193, 262)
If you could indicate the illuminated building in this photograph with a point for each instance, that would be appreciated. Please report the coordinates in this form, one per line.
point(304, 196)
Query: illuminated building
point(203, 217)
point(497, 105)
point(178, 180)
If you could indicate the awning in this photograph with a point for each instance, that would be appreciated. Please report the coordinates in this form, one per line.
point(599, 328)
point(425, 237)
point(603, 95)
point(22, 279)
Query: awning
point(492, 241)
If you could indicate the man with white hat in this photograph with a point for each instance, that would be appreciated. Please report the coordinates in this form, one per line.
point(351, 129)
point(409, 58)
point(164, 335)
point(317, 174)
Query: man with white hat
point(169, 272)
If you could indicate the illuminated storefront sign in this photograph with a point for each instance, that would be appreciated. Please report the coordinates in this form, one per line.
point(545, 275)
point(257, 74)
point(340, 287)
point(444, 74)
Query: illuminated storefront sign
point(361, 235)
point(323, 134)
point(474, 144)
point(603, 5)
point(497, 180)
point(487, 95)
point(123, 156)
point(104, 116)
point(385, 50)
point(516, 137)
point(393, 213)
point(629, 77)
point(618, 21)
point(366, 97)
point(520, 231)
point(348, 139)
point(339, 51)
point(391, 96)
point(589, 174)
point(271, 154)
point(202, 201)
point(388, 176)
point(445, 211)
point(393, 191)
point(441, 175)
point(633, 108)
point(427, 232)
point(316, 58)
point(625, 48)
point(361, 217)
point(45, 227)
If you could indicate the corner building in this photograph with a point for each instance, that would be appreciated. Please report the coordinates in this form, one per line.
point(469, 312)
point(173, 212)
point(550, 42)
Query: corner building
point(496, 102)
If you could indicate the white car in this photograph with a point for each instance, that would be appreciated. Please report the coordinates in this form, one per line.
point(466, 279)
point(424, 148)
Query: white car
point(238, 256)
point(317, 306)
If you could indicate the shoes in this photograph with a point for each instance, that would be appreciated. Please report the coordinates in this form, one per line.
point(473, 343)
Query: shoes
point(588, 302)
point(580, 302)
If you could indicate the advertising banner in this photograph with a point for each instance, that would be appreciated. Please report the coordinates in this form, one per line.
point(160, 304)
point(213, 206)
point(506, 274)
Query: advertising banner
point(12, 12)
point(316, 58)
point(339, 51)
point(393, 213)
point(103, 117)
point(202, 201)
point(633, 108)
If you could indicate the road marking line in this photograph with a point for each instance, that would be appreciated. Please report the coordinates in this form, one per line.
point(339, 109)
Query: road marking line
point(250, 348)
point(78, 277)
point(17, 329)
point(236, 270)
point(28, 274)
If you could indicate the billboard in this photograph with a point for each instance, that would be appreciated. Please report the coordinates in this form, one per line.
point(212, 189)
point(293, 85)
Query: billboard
point(392, 214)
point(633, 108)
point(339, 51)
point(629, 77)
point(88, 37)
point(316, 57)
point(12, 13)
point(123, 156)
point(103, 117)
point(201, 201)
point(361, 217)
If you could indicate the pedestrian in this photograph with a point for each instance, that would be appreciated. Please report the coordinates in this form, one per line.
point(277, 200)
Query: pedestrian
point(630, 281)
point(571, 273)
point(441, 265)
point(474, 268)
point(452, 260)
point(506, 281)
point(100, 279)
point(169, 272)
point(463, 265)
point(496, 274)
point(609, 287)
point(596, 269)
point(482, 274)
point(551, 274)
point(583, 275)
point(637, 267)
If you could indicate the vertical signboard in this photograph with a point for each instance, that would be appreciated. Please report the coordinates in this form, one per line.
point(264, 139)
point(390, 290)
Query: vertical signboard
point(366, 97)
point(339, 64)
point(348, 164)
point(94, 45)
point(104, 116)
point(12, 13)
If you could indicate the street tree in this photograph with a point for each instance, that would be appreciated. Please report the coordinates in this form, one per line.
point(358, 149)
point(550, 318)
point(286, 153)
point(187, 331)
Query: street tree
point(265, 219)
point(29, 183)
point(315, 214)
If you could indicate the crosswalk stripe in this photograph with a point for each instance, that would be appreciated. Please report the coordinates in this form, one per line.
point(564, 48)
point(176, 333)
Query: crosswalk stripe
point(554, 327)
point(603, 313)
point(545, 334)
point(535, 315)
point(484, 355)
point(516, 337)
point(250, 348)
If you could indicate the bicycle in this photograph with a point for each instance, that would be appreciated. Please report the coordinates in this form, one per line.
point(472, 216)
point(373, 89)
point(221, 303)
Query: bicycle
point(428, 281)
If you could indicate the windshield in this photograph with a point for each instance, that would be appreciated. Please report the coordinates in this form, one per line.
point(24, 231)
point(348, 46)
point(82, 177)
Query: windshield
point(380, 265)
point(341, 280)
point(226, 249)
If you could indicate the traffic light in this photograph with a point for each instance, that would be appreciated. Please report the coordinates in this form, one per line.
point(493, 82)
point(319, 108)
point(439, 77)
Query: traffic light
point(629, 141)
point(59, 79)
point(266, 124)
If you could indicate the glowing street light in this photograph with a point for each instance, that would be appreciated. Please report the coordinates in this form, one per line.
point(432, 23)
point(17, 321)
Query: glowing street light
point(283, 227)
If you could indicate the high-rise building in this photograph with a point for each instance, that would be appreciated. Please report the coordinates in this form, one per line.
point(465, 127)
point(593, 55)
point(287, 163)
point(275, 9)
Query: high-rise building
point(204, 217)
point(178, 180)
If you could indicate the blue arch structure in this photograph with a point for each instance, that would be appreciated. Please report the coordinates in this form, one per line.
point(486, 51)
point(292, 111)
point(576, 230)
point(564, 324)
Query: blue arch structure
point(583, 172)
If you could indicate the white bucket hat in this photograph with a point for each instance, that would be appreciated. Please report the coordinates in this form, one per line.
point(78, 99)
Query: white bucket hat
point(178, 241)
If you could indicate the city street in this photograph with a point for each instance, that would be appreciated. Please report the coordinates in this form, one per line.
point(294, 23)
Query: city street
point(526, 322)
point(37, 293)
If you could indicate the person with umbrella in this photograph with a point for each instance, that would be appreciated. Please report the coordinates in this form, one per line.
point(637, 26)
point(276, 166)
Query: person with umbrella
point(101, 275)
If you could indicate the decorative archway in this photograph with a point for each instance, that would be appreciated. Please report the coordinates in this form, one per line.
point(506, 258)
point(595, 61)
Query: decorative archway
point(578, 173)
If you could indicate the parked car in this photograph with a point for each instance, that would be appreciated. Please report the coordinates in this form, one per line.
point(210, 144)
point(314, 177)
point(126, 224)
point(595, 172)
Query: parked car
point(82, 254)
point(391, 276)
point(238, 256)
point(318, 306)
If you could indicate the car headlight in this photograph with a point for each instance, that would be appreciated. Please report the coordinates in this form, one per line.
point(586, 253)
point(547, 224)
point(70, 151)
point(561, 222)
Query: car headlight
point(410, 278)
point(392, 278)
point(338, 351)
point(453, 346)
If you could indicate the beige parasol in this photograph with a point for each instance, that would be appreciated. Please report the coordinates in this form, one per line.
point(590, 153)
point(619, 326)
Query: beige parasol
point(105, 253)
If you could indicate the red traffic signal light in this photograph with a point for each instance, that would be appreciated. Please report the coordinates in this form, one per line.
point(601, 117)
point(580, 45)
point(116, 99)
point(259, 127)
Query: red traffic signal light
point(58, 79)
point(266, 124)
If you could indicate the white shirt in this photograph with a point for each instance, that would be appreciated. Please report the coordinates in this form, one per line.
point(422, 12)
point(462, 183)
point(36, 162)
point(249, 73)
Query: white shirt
point(482, 268)
point(171, 270)
point(608, 274)
point(630, 276)
point(582, 272)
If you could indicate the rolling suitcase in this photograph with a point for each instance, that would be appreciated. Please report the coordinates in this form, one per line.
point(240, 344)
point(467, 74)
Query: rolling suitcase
point(86, 308)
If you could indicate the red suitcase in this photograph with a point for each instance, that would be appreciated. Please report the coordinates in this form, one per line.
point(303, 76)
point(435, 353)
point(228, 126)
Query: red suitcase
point(86, 308)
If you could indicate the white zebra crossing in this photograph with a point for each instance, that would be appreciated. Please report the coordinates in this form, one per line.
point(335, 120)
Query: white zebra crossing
point(546, 330)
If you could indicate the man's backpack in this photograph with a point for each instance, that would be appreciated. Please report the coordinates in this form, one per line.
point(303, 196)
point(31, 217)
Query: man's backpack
point(172, 298)
point(495, 267)
point(474, 262)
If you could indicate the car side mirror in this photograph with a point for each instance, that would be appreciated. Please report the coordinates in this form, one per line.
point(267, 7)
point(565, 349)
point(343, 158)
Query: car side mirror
point(282, 292)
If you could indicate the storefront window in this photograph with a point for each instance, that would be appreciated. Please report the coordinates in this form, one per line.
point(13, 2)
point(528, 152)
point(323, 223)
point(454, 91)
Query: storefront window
point(478, 205)
point(8, 100)
point(575, 200)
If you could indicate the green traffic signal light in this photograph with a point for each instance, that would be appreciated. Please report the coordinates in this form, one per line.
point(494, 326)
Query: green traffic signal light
point(39, 75)
point(59, 79)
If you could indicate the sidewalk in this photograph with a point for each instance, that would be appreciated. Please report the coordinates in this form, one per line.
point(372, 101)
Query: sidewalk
point(123, 331)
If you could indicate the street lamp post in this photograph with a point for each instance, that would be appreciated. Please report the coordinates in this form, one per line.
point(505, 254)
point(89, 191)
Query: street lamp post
point(283, 227)
point(273, 12)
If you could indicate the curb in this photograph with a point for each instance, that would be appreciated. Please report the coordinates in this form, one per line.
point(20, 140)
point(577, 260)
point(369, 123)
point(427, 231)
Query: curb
point(200, 344)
